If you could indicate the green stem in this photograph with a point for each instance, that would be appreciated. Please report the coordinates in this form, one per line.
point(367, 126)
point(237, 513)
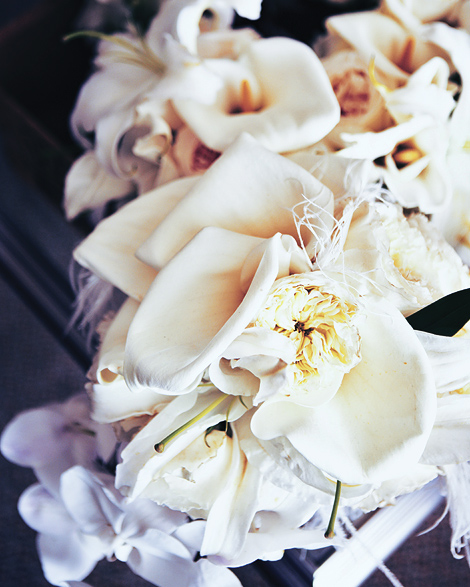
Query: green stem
point(160, 446)
point(330, 531)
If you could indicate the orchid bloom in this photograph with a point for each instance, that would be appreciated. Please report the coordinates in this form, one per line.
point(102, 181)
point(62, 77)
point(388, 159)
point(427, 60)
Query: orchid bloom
point(54, 438)
point(90, 520)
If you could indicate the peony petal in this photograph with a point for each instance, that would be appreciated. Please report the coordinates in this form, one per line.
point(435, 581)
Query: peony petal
point(109, 250)
point(175, 336)
point(236, 372)
point(298, 104)
point(377, 424)
point(88, 186)
point(233, 194)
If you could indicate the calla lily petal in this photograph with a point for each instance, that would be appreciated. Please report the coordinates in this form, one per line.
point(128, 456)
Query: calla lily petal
point(298, 104)
point(110, 249)
point(397, 52)
point(355, 436)
point(259, 204)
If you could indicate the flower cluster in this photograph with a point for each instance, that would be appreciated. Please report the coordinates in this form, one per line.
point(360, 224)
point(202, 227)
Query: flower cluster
point(290, 262)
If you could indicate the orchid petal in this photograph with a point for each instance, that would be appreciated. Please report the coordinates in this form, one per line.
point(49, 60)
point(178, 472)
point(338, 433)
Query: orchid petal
point(67, 559)
point(377, 424)
point(109, 250)
point(43, 513)
point(90, 502)
point(88, 185)
point(298, 104)
point(258, 204)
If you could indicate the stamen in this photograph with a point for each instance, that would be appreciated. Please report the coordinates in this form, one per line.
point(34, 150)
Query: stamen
point(160, 446)
point(246, 97)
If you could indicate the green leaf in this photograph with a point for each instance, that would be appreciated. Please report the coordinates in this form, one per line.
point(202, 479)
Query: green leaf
point(444, 317)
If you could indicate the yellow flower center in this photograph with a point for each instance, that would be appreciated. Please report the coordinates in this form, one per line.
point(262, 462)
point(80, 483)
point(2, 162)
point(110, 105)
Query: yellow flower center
point(320, 324)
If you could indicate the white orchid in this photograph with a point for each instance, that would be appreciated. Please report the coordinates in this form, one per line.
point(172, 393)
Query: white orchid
point(54, 438)
point(90, 520)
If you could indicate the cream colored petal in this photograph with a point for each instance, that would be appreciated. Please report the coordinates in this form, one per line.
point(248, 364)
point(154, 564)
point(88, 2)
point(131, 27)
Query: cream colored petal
point(449, 442)
point(89, 186)
point(298, 105)
point(457, 44)
point(111, 352)
point(253, 199)
point(114, 401)
point(109, 251)
point(254, 364)
point(396, 51)
point(196, 308)
point(377, 425)
point(449, 357)
point(388, 491)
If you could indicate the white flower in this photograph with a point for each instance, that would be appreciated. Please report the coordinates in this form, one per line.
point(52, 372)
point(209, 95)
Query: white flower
point(56, 437)
point(90, 520)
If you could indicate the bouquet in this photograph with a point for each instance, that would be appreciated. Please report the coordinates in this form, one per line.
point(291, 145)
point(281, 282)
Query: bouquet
point(290, 234)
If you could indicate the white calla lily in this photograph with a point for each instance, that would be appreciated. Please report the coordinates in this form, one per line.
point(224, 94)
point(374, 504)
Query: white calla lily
point(289, 104)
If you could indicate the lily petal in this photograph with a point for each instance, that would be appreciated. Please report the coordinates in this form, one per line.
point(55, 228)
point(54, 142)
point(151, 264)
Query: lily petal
point(88, 186)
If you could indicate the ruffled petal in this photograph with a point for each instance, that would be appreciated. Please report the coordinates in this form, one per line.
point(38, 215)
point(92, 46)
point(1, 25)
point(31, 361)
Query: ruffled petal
point(378, 423)
point(175, 336)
